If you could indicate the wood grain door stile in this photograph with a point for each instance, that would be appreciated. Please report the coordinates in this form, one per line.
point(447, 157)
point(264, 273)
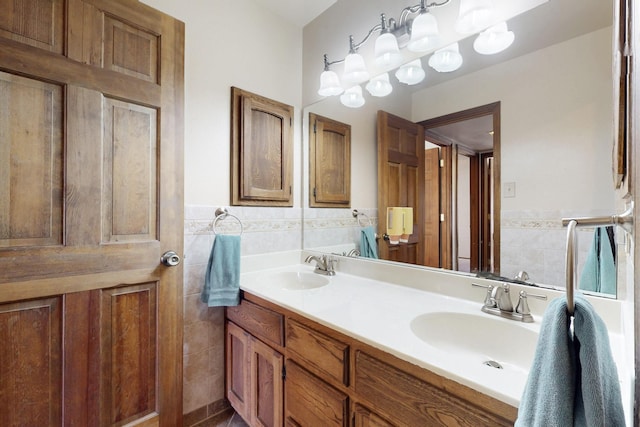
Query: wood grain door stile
point(91, 173)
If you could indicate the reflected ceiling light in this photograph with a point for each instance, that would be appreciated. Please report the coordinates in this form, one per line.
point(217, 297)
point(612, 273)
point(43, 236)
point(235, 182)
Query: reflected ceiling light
point(417, 30)
point(386, 51)
point(474, 16)
point(379, 86)
point(352, 97)
point(411, 73)
point(424, 33)
point(446, 59)
point(329, 81)
point(494, 39)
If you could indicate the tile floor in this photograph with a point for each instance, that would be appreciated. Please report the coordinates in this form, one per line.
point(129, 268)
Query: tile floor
point(226, 419)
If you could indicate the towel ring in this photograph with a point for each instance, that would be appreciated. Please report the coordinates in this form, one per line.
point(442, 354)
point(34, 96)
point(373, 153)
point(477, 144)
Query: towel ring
point(357, 216)
point(221, 214)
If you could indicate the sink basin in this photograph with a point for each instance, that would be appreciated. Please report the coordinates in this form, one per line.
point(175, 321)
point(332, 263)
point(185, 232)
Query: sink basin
point(497, 343)
point(297, 281)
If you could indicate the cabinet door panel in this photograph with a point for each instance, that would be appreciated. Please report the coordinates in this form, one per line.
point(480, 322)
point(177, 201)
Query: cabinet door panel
point(312, 402)
point(238, 375)
point(362, 417)
point(266, 379)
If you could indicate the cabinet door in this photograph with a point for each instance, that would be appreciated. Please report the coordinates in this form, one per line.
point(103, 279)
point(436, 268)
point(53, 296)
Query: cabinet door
point(329, 163)
point(312, 402)
point(262, 150)
point(266, 385)
point(362, 417)
point(238, 374)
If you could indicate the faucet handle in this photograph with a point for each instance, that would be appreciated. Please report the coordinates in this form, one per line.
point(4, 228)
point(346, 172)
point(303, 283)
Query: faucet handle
point(489, 300)
point(523, 305)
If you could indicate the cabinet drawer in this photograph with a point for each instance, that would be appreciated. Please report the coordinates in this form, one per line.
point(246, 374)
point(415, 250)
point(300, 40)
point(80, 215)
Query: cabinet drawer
point(309, 401)
point(319, 351)
point(261, 322)
point(408, 400)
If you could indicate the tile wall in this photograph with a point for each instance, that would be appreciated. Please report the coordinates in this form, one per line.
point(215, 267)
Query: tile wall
point(264, 230)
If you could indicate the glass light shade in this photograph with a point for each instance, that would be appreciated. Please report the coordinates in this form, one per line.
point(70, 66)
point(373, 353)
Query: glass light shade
point(411, 73)
point(352, 97)
point(380, 85)
point(495, 39)
point(446, 59)
point(424, 33)
point(329, 84)
point(386, 50)
point(474, 16)
point(354, 69)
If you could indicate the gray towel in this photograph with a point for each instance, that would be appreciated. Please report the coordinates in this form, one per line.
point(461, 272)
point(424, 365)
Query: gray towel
point(222, 278)
point(573, 380)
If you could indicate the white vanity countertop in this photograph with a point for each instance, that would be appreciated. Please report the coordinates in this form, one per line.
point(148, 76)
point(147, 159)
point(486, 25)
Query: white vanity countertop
point(379, 313)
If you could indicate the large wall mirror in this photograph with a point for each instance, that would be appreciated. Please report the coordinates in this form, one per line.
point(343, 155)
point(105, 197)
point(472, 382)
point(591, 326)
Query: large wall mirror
point(556, 91)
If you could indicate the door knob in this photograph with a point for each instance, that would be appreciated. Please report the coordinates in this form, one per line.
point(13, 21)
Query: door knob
point(170, 259)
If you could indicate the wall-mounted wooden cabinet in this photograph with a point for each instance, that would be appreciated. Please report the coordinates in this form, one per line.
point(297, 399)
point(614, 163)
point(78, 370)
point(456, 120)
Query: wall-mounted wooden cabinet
point(329, 163)
point(261, 150)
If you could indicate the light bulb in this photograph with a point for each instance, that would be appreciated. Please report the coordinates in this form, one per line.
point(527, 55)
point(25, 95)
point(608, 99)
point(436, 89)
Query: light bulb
point(352, 97)
point(329, 84)
point(379, 86)
point(424, 33)
point(354, 69)
point(411, 73)
point(446, 59)
point(493, 40)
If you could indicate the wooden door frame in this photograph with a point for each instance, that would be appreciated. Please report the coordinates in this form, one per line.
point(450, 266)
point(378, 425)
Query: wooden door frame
point(493, 110)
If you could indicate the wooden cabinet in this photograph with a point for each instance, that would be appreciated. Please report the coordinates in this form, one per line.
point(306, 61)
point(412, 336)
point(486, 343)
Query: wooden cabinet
point(254, 374)
point(310, 401)
point(329, 163)
point(332, 379)
point(262, 150)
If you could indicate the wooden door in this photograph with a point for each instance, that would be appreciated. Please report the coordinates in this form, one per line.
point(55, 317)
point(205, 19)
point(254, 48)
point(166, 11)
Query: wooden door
point(267, 387)
point(91, 177)
point(238, 369)
point(401, 182)
point(432, 207)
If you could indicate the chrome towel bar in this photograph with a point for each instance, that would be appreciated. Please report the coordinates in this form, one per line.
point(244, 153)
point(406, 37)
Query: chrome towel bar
point(624, 220)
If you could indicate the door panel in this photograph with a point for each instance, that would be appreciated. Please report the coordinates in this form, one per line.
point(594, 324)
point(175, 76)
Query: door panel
point(30, 363)
point(30, 162)
point(35, 23)
point(432, 208)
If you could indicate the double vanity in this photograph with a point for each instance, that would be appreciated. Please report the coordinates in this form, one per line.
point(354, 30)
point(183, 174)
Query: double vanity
point(381, 344)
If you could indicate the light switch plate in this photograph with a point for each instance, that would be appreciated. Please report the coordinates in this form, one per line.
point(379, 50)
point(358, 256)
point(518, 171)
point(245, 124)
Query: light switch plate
point(509, 189)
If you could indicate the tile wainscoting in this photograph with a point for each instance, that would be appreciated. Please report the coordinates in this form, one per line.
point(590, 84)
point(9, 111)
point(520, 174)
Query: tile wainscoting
point(265, 230)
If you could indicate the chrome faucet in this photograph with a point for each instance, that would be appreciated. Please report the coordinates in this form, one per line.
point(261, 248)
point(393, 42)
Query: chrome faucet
point(325, 264)
point(498, 302)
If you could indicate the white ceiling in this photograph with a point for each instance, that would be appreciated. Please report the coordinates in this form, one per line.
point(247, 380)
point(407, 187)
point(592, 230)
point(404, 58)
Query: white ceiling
point(299, 12)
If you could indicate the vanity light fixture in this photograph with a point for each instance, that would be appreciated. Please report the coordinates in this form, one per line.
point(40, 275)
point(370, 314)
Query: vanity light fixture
point(417, 30)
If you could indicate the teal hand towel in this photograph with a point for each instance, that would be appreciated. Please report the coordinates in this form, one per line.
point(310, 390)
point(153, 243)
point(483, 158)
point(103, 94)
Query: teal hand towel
point(368, 248)
point(573, 380)
point(598, 399)
point(222, 278)
point(599, 271)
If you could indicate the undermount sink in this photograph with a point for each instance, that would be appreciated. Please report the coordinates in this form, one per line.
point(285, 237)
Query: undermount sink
point(497, 343)
point(297, 280)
